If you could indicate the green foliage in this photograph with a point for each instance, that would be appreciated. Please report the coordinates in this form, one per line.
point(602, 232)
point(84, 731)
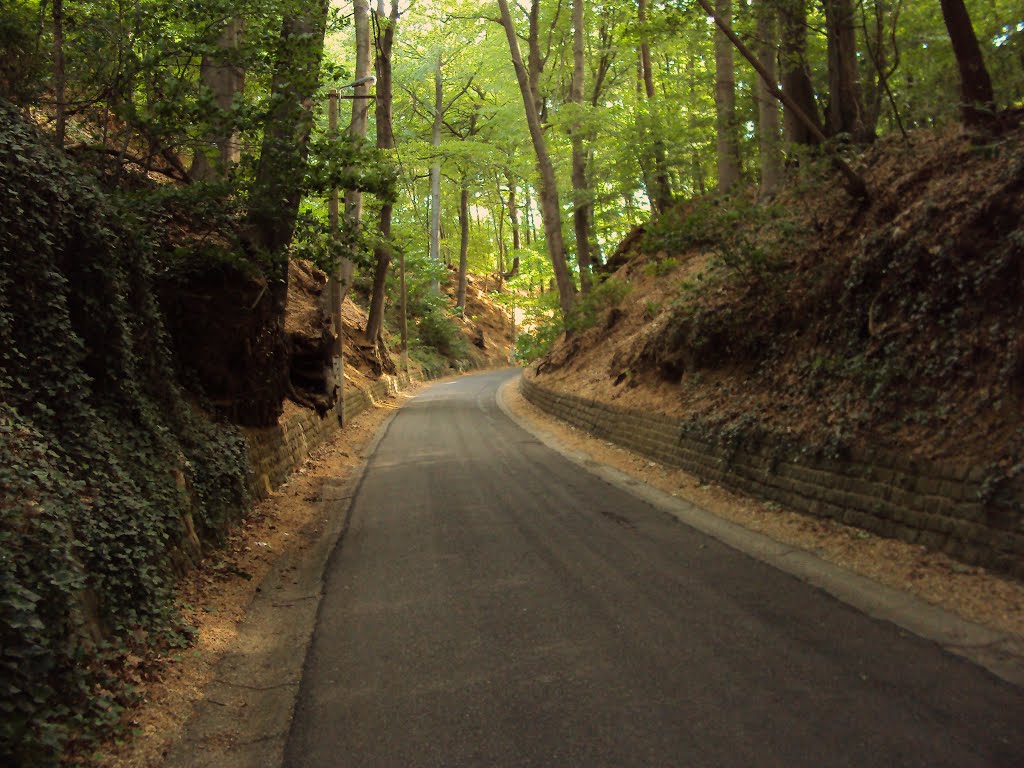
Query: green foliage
point(603, 297)
point(101, 457)
point(747, 238)
point(545, 325)
point(436, 329)
point(22, 63)
point(660, 267)
point(538, 340)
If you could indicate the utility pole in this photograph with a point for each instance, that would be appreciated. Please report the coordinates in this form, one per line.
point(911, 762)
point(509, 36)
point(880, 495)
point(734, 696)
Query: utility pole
point(334, 280)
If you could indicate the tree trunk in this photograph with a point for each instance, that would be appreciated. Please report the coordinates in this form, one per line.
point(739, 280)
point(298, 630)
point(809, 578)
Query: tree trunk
point(384, 43)
point(513, 217)
point(535, 64)
point(796, 77)
point(435, 173)
point(580, 189)
point(59, 75)
point(226, 80)
point(460, 299)
point(357, 128)
point(767, 104)
point(726, 128)
point(877, 50)
point(854, 182)
point(530, 230)
point(845, 110)
point(513, 212)
point(276, 190)
point(659, 188)
point(977, 101)
point(550, 208)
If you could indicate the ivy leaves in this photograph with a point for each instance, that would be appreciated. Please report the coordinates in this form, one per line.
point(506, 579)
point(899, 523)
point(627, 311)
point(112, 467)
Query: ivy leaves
point(91, 420)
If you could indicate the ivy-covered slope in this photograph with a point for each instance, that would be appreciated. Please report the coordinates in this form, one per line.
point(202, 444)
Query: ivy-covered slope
point(105, 468)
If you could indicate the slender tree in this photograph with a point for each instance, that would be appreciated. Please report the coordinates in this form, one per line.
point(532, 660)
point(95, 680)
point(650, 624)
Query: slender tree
point(358, 126)
point(225, 79)
point(580, 188)
point(59, 74)
point(726, 127)
point(276, 189)
point(385, 27)
point(460, 295)
point(435, 169)
point(659, 188)
point(796, 76)
point(513, 217)
point(767, 105)
point(550, 207)
point(845, 110)
point(977, 100)
point(854, 182)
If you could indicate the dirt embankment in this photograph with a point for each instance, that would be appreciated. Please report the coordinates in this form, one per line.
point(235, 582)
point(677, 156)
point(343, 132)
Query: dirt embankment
point(896, 323)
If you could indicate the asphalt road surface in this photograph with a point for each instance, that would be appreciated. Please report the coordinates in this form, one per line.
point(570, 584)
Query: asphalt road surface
point(491, 604)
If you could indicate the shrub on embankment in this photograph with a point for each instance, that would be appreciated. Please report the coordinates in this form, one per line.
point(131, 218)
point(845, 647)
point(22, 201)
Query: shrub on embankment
point(109, 478)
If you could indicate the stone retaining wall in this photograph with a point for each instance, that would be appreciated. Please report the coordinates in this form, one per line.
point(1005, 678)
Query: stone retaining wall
point(276, 452)
point(938, 505)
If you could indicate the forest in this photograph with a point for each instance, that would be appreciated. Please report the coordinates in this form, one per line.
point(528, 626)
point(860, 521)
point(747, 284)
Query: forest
point(164, 164)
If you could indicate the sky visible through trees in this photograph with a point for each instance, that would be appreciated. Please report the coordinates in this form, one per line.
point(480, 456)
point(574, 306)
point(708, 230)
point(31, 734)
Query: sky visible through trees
point(636, 104)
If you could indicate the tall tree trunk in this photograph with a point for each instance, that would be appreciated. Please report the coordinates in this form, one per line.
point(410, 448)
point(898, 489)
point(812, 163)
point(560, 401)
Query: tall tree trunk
point(498, 224)
point(726, 127)
point(550, 208)
point(276, 190)
point(530, 230)
point(877, 50)
point(357, 128)
point(435, 172)
point(767, 105)
point(59, 75)
point(845, 110)
point(796, 76)
point(513, 217)
point(659, 188)
point(580, 188)
point(225, 79)
point(534, 62)
point(385, 28)
point(853, 182)
point(977, 101)
point(460, 299)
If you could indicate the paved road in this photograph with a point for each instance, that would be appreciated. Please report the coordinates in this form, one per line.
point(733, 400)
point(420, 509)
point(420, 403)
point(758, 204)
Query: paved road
point(492, 605)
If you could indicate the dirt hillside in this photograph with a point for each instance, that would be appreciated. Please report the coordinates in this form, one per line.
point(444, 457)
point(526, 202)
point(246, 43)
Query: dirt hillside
point(486, 326)
point(894, 323)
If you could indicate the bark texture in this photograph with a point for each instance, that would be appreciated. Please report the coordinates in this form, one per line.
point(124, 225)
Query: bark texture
point(796, 76)
point(276, 192)
point(767, 105)
point(550, 207)
point(580, 187)
point(845, 110)
point(659, 189)
point(385, 28)
point(977, 101)
point(728, 144)
point(225, 79)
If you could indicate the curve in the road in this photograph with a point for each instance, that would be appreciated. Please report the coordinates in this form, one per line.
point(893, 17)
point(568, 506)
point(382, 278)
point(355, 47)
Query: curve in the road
point(492, 604)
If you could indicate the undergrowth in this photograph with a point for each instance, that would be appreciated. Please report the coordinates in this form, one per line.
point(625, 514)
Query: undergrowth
point(101, 456)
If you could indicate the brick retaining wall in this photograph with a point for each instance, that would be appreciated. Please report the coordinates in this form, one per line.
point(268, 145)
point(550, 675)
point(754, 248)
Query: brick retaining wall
point(938, 505)
point(276, 452)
